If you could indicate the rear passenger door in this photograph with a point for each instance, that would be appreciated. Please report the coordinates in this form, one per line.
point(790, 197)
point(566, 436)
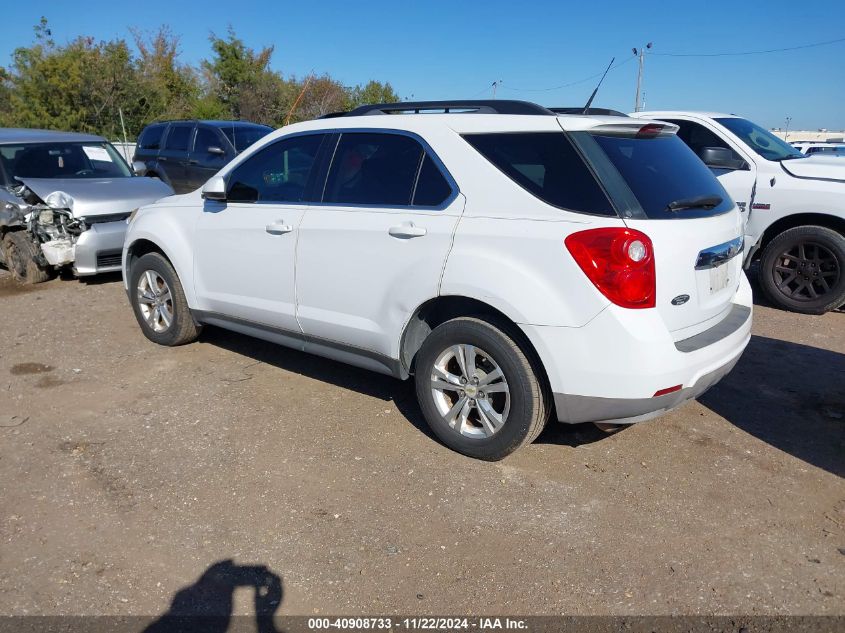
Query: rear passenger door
point(208, 156)
point(373, 247)
point(173, 157)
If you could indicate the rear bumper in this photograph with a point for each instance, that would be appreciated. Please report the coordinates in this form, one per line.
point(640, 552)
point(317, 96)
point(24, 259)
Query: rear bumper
point(610, 369)
point(99, 249)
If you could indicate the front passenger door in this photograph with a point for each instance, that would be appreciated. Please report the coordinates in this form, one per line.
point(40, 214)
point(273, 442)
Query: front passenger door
point(245, 247)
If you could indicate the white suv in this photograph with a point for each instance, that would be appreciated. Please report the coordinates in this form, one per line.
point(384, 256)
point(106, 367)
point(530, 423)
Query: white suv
point(515, 262)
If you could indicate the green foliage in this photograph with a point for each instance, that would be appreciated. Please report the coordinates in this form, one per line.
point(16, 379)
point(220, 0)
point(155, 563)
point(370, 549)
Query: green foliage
point(84, 84)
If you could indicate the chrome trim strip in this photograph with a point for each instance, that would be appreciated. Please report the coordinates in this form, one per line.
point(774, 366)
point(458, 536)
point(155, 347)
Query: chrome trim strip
point(719, 254)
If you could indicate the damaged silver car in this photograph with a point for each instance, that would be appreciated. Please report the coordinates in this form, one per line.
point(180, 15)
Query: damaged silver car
point(64, 202)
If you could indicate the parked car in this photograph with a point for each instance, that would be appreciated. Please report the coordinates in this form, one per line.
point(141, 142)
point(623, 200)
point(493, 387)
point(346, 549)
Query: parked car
point(794, 206)
point(185, 154)
point(513, 261)
point(815, 147)
point(64, 201)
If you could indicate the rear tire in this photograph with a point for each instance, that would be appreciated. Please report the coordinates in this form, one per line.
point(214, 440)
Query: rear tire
point(20, 254)
point(159, 303)
point(481, 393)
point(803, 270)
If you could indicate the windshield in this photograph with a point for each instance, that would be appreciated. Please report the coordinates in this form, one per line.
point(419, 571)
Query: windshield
point(62, 160)
point(761, 140)
point(242, 136)
point(667, 178)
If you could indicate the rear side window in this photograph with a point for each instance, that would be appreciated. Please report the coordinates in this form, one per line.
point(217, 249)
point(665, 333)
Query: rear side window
point(546, 165)
point(178, 137)
point(374, 169)
point(432, 189)
point(151, 136)
point(278, 173)
point(661, 171)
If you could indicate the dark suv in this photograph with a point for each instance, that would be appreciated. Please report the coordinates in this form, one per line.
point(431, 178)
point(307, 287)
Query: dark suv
point(185, 154)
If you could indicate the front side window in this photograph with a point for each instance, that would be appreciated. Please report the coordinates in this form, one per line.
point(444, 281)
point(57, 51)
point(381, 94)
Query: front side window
point(697, 137)
point(178, 137)
point(279, 172)
point(374, 168)
point(205, 138)
point(63, 160)
point(546, 165)
point(760, 139)
point(242, 136)
point(151, 136)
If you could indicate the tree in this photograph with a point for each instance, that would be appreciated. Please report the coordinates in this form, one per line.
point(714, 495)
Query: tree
point(372, 92)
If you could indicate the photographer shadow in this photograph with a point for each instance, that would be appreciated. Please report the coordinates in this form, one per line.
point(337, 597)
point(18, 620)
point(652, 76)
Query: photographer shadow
point(206, 606)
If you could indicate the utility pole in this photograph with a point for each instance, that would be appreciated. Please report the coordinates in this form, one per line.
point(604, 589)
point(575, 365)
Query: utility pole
point(786, 131)
point(496, 84)
point(641, 54)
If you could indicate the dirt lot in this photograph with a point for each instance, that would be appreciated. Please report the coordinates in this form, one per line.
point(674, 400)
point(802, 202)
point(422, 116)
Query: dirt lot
point(128, 470)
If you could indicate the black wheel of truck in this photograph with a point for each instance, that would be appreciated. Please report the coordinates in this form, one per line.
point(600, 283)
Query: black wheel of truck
point(20, 255)
point(803, 269)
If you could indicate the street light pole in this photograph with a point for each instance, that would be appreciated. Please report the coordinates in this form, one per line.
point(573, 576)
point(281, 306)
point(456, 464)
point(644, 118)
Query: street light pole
point(641, 54)
point(786, 131)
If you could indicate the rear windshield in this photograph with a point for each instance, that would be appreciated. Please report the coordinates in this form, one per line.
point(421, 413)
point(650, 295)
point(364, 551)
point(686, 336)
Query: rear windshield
point(62, 160)
point(242, 136)
point(662, 172)
point(547, 165)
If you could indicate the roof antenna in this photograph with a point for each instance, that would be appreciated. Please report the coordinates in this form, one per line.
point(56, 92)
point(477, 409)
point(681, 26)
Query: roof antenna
point(593, 96)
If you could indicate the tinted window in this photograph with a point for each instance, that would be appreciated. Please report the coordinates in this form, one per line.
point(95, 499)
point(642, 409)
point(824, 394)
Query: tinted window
point(63, 160)
point(206, 138)
point(177, 137)
point(697, 137)
point(432, 188)
point(760, 140)
point(277, 173)
point(547, 165)
point(242, 136)
point(662, 170)
point(151, 136)
point(377, 169)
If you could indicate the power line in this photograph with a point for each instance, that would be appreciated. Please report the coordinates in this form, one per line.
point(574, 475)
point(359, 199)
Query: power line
point(771, 50)
point(572, 83)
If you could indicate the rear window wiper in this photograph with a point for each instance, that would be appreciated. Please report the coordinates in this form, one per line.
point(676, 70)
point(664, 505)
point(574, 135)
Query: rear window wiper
point(701, 202)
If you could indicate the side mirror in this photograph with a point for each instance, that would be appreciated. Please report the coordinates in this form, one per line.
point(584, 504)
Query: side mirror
point(216, 150)
point(139, 167)
point(719, 158)
point(215, 189)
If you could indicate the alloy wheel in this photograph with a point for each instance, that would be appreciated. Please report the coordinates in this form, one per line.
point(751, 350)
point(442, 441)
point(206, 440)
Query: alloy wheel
point(807, 271)
point(155, 301)
point(470, 391)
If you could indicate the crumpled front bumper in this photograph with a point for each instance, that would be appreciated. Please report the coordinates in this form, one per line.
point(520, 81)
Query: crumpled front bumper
point(99, 249)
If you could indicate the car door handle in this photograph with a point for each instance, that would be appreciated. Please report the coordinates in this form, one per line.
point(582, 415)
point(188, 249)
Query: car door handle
point(406, 231)
point(193, 162)
point(162, 158)
point(278, 228)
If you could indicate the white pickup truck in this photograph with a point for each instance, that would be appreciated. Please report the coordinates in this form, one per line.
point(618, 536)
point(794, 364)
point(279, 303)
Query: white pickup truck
point(794, 205)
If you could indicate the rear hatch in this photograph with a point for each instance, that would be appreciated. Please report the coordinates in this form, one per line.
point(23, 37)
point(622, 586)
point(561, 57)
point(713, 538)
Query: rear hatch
point(662, 189)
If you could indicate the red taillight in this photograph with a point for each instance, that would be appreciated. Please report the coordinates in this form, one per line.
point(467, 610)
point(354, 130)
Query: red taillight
point(619, 262)
point(650, 130)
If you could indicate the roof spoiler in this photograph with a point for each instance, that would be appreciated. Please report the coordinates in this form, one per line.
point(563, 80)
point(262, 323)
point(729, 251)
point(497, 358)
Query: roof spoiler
point(640, 129)
point(588, 111)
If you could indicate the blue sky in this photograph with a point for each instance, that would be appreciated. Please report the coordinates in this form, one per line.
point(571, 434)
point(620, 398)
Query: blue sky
point(440, 50)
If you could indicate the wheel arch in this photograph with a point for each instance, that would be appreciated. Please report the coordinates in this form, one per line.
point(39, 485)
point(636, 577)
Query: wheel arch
point(830, 221)
point(445, 307)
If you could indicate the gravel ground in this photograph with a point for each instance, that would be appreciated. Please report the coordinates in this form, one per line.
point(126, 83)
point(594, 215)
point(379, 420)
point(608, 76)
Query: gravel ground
point(129, 470)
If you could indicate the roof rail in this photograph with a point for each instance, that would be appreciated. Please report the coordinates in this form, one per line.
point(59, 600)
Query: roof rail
point(475, 106)
point(588, 111)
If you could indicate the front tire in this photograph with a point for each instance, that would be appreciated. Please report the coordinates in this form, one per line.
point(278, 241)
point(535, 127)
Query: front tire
point(159, 303)
point(20, 256)
point(481, 392)
point(803, 270)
